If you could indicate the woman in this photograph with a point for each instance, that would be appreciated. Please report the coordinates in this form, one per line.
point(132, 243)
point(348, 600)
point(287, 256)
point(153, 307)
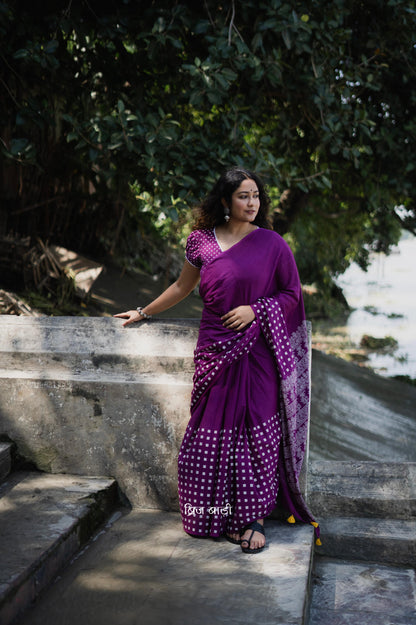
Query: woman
point(245, 441)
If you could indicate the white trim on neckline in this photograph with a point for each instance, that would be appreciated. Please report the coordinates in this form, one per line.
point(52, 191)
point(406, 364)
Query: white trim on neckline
point(228, 248)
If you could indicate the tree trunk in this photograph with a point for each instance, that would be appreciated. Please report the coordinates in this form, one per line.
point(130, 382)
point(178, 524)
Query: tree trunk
point(291, 204)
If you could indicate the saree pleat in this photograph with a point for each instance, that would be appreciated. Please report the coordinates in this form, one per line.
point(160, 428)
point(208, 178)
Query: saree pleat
point(228, 462)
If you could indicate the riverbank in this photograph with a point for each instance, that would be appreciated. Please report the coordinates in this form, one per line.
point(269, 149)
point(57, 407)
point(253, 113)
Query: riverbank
point(383, 305)
point(332, 337)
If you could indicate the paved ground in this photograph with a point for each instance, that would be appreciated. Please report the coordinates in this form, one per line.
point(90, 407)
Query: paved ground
point(358, 415)
point(143, 570)
point(147, 571)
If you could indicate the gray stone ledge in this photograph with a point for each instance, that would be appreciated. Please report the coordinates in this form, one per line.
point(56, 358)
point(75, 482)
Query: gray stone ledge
point(389, 541)
point(96, 344)
point(99, 335)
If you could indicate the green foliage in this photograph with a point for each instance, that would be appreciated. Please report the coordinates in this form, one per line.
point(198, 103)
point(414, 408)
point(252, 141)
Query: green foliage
point(118, 117)
point(386, 344)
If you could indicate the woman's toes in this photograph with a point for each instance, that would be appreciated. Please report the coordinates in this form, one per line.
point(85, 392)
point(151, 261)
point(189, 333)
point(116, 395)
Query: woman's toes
point(256, 542)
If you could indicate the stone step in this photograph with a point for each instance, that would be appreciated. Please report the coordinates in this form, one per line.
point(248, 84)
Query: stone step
point(362, 489)
point(145, 569)
point(5, 459)
point(362, 593)
point(44, 521)
point(386, 541)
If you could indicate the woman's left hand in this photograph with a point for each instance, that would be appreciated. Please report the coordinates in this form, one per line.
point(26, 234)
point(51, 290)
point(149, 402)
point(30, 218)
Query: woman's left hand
point(238, 318)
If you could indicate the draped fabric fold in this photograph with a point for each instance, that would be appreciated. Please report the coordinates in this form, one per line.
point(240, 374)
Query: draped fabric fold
point(246, 439)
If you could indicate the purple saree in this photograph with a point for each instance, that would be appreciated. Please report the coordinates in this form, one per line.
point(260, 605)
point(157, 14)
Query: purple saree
point(245, 442)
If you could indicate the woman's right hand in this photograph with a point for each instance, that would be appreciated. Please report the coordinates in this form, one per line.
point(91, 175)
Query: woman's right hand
point(131, 315)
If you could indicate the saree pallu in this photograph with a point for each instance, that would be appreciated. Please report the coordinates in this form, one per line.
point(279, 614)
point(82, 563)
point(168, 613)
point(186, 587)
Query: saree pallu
point(245, 442)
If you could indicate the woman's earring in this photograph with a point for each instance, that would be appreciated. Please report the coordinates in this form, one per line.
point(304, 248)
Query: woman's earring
point(227, 214)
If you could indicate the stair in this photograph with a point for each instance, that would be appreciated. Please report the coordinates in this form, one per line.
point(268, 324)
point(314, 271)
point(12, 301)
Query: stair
point(149, 565)
point(44, 521)
point(367, 510)
point(364, 572)
point(362, 593)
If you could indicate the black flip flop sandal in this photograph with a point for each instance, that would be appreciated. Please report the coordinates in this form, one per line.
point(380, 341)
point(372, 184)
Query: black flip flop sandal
point(255, 527)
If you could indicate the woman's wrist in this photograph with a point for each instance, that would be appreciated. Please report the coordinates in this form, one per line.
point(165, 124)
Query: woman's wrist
point(142, 313)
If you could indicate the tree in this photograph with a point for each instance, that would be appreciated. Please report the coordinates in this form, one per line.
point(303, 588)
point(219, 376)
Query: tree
point(117, 117)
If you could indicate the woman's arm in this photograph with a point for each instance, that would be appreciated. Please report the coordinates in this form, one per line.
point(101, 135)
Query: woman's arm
point(176, 292)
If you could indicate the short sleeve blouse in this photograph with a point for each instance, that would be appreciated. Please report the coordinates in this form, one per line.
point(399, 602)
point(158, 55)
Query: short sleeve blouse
point(201, 248)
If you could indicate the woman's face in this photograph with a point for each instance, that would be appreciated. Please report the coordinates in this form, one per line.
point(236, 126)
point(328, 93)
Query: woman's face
point(245, 202)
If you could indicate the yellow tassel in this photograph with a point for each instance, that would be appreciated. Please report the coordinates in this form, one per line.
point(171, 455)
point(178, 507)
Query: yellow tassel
point(314, 523)
point(291, 519)
point(318, 542)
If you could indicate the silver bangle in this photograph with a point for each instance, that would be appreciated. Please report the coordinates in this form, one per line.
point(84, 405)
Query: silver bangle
point(143, 314)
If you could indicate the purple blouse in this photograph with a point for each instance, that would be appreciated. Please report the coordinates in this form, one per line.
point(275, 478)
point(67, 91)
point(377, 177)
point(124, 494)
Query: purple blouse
point(202, 247)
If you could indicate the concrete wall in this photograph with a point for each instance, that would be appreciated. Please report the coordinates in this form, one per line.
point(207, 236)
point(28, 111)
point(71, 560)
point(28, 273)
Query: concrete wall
point(87, 396)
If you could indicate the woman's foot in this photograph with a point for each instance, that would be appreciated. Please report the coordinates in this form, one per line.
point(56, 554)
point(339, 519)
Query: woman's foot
point(253, 538)
point(234, 538)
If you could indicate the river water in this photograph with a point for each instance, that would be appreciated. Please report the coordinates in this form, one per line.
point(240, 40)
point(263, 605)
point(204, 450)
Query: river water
point(384, 303)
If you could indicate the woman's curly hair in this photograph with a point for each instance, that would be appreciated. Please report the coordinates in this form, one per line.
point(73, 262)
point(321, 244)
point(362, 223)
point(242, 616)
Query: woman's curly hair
point(211, 212)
